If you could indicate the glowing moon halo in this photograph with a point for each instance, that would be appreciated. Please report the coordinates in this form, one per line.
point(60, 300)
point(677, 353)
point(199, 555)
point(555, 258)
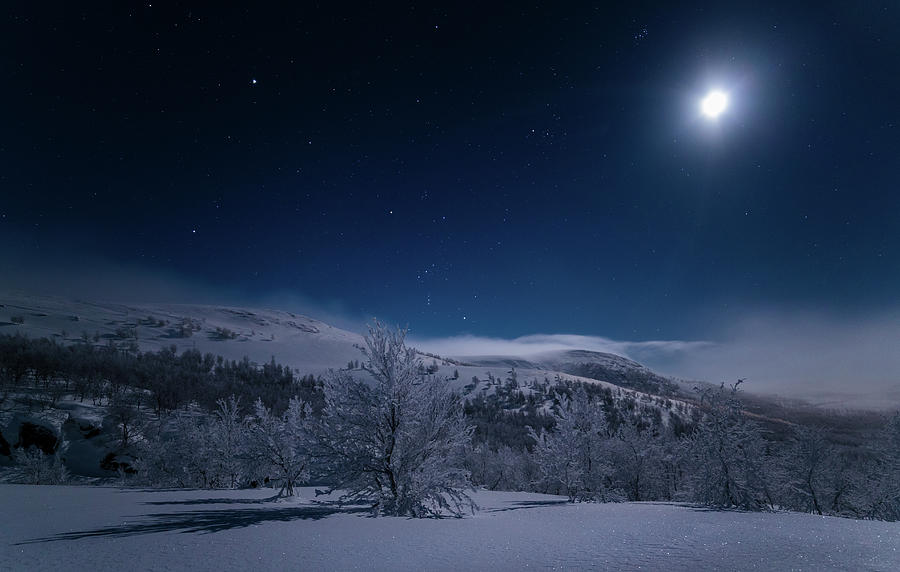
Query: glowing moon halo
point(714, 104)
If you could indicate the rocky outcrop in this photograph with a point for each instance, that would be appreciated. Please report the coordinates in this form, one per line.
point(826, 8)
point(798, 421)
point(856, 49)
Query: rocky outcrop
point(34, 435)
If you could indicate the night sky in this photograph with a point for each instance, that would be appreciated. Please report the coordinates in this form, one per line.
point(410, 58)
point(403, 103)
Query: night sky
point(465, 168)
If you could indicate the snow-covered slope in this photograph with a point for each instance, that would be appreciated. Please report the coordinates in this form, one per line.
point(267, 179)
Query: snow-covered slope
point(94, 528)
point(307, 344)
point(586, 364)
point(610, 362)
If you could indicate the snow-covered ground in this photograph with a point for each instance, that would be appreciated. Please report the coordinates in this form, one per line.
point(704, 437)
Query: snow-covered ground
point(94, 528)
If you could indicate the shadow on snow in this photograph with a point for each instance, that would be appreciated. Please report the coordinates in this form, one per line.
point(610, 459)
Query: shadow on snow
point(529, 504)
point(216, 501)
point(204, 521)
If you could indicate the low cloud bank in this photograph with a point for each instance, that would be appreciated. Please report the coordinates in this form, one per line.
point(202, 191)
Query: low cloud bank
point(841, 362)
point(838, 361)
point(533, 345)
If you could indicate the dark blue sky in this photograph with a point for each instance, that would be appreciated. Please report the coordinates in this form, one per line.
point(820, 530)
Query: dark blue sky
point(465, 168)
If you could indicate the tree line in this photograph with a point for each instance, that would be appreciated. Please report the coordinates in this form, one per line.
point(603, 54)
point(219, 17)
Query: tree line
point(394, 442)
point(595, 448)
point(399, 439)
point(168, 380)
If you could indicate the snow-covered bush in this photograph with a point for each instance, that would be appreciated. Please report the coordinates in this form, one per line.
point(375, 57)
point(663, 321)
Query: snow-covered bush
point(197, 449)
point(34, 467)
point(503, 469)
point(636, 456)
point(882, 485)
point(227, 435)
point(174, 454)
point(807, 461)
point(573, 457)
point(730, 464)
point(398, 441)
point(280, 445)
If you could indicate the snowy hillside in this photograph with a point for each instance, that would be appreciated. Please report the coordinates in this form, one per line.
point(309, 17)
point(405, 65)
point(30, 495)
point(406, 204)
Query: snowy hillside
point(308, 345)
point(599, 366)
point(299, 341)
point(94, 528)
point(89, 429)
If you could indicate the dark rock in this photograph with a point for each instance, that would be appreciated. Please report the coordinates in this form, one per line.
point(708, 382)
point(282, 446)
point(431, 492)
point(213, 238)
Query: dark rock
point(33, 435)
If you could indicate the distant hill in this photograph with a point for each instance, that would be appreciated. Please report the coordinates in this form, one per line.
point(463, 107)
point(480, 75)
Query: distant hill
point(310, 346)
point(611, 368)
point(302, 342)
point(598, 366)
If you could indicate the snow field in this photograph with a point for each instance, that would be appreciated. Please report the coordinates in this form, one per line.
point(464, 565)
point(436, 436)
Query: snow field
point(95, 528)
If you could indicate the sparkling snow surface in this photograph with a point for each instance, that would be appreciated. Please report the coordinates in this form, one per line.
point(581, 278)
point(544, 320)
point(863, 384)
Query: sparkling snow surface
point(92, 528)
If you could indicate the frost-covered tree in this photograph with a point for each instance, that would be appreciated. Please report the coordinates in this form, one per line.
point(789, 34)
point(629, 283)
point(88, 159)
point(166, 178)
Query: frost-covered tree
point(502, 469)
point(194, 448)
point(125, 410)
point(573, 456)
point(227, 433)
point(281, 445)
point(636, 455)
point(34, 467)
point(808, 459)
point(883, 483)
point(559, 455)
point(730, 463)
point(843, 478)
point(395, 440)
point(177, 452)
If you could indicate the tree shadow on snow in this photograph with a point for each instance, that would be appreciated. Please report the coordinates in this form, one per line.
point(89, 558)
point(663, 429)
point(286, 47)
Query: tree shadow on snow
point(732, 509)
point(204, 521)
point(217, 501)
point(129, 490)
point(529, 504)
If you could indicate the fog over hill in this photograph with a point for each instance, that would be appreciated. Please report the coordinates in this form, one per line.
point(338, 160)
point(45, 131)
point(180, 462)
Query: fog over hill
point(307, 345)
point(827, 363)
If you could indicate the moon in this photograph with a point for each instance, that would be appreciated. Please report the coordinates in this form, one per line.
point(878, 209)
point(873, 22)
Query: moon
point(714, 103)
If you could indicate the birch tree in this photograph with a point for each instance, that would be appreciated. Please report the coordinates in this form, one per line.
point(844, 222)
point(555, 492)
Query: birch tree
point(397, 439)
point(282, 444)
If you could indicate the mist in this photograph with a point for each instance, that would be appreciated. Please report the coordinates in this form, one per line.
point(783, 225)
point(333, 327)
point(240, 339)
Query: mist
point(839, 360)
point(828, 360)
point(536, 344)
point(831, 360)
